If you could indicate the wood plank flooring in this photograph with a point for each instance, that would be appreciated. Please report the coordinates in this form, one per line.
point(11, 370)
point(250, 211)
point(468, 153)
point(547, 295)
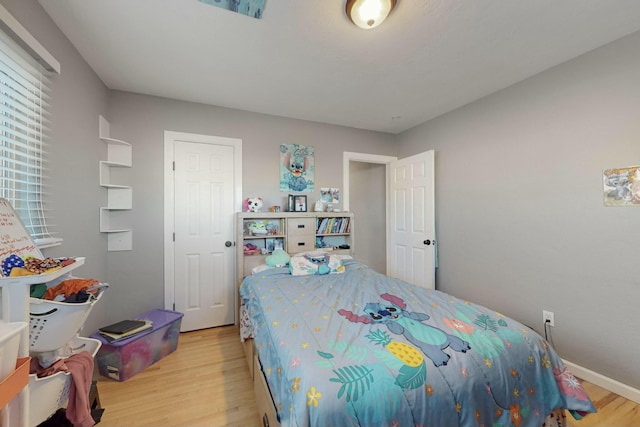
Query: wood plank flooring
point(613, 410)
point(206, 382)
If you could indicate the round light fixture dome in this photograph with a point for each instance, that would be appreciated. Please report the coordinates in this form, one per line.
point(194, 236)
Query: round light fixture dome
point(369, 14)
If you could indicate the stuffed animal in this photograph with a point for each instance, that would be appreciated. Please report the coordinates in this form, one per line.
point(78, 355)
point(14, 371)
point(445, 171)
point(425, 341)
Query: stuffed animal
point(253, 204)
point(258, 228)
point(279, 258)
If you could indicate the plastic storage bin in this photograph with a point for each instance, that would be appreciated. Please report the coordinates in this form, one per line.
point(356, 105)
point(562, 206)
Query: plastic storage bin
point(48, 394)
point(9, 344)
point(123, 359)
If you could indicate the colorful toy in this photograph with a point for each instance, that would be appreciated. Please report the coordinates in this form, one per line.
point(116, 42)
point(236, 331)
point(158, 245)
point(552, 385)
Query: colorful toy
point(258, 228)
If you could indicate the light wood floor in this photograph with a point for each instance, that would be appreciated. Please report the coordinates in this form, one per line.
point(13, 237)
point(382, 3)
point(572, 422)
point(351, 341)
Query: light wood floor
point(206, 382)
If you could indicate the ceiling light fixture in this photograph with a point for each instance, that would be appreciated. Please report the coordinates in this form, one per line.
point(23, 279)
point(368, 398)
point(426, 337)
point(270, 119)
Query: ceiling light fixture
point(369, 14)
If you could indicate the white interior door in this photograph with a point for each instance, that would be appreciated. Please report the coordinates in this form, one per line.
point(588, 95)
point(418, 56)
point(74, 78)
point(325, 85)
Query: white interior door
point(411, 229)
point(203, 261)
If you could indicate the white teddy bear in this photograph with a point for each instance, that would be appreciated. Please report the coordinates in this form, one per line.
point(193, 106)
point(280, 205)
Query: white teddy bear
point(253, 204)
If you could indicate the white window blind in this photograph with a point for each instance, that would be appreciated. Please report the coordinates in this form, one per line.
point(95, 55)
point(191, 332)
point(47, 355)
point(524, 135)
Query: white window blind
point(23, 129)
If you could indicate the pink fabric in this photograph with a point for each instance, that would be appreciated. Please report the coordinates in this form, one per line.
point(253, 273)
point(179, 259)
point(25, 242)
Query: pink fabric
point(80, 366)
point(79, 408)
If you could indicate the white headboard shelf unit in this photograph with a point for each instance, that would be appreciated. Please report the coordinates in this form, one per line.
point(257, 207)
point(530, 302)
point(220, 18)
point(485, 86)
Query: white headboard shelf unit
point(294, 231)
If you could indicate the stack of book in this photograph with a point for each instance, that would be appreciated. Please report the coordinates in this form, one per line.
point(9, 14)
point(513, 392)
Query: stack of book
point(124, 329)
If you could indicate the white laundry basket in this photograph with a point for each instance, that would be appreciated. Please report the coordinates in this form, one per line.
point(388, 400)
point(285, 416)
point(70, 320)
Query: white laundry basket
point(52, 324)
point(48, 394)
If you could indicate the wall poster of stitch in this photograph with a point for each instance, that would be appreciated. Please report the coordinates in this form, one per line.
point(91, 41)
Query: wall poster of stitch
point(297, 168)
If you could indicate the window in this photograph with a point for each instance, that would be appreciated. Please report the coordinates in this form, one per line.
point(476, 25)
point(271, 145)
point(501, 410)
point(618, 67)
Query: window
point(23, 126)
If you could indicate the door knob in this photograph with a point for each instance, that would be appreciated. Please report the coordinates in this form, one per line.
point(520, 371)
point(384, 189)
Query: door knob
point(228, 244)
point(427, 242)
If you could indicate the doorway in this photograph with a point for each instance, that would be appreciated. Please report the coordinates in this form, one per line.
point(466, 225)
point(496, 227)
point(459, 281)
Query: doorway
point(360, 170)
point(409, 226)
point(369, 206)
point(203, 187)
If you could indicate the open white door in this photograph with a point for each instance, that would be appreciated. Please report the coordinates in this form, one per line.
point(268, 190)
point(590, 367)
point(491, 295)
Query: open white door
point(411, 228)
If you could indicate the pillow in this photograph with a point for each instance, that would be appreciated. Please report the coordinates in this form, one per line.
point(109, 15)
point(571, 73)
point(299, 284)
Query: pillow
point(311, 263)
point(260, 268)
point(279, 258)
point(341, 257)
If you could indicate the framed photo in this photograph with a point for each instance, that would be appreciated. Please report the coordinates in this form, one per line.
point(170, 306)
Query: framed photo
point(270, 245)
point(300, 203)
point(330, 195)
point(290, 203)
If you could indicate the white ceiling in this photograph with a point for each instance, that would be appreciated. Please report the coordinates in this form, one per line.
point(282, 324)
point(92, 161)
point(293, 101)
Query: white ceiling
point(304, 59)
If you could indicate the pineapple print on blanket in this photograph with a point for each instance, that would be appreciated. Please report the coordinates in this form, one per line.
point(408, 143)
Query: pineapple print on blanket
point(431, 341)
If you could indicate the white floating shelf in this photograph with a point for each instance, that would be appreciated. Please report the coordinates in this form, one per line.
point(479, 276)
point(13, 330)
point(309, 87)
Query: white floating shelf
point(119, 197)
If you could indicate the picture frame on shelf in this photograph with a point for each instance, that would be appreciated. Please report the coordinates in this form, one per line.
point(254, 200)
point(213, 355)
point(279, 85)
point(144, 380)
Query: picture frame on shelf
point(300, 203)
point(290, 203)
point(270, 245)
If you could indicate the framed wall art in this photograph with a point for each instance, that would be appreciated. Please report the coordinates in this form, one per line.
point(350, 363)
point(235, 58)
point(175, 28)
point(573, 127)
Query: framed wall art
point(622, 186)
point(252, 8)
point(297, 168)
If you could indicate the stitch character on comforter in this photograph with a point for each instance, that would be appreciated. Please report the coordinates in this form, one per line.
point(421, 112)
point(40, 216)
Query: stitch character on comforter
point(363, 349)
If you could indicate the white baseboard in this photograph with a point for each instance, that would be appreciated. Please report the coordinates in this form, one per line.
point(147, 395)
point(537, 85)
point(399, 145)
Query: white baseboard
point(607, 383)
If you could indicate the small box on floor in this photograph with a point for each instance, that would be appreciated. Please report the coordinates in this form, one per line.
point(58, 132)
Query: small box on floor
point(121, 360)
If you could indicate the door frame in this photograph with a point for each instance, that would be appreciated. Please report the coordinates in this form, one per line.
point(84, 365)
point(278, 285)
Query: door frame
point(347, 158)
point(169, 198)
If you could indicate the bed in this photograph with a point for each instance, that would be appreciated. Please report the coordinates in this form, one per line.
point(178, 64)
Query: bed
point(357, 348)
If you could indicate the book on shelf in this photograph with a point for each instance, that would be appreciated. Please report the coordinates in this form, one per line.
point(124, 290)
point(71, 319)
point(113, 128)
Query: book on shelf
point(333, 225)
point(128, 329)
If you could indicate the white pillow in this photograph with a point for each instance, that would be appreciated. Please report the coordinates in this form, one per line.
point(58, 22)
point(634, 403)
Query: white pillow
point(260, 268)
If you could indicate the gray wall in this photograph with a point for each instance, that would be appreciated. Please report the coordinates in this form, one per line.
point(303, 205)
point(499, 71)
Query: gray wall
point(77, 98)
point(137, 276)
point(367, 200)
point(519, 204)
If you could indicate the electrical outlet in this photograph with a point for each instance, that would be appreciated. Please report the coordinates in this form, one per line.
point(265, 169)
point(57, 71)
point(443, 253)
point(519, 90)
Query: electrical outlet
point(548, 315)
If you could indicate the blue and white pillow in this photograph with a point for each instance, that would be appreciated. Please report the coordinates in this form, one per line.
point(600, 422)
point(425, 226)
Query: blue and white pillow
point(312, 263)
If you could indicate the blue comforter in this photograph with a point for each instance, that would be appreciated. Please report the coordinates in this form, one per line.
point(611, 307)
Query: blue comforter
point(363, 349)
